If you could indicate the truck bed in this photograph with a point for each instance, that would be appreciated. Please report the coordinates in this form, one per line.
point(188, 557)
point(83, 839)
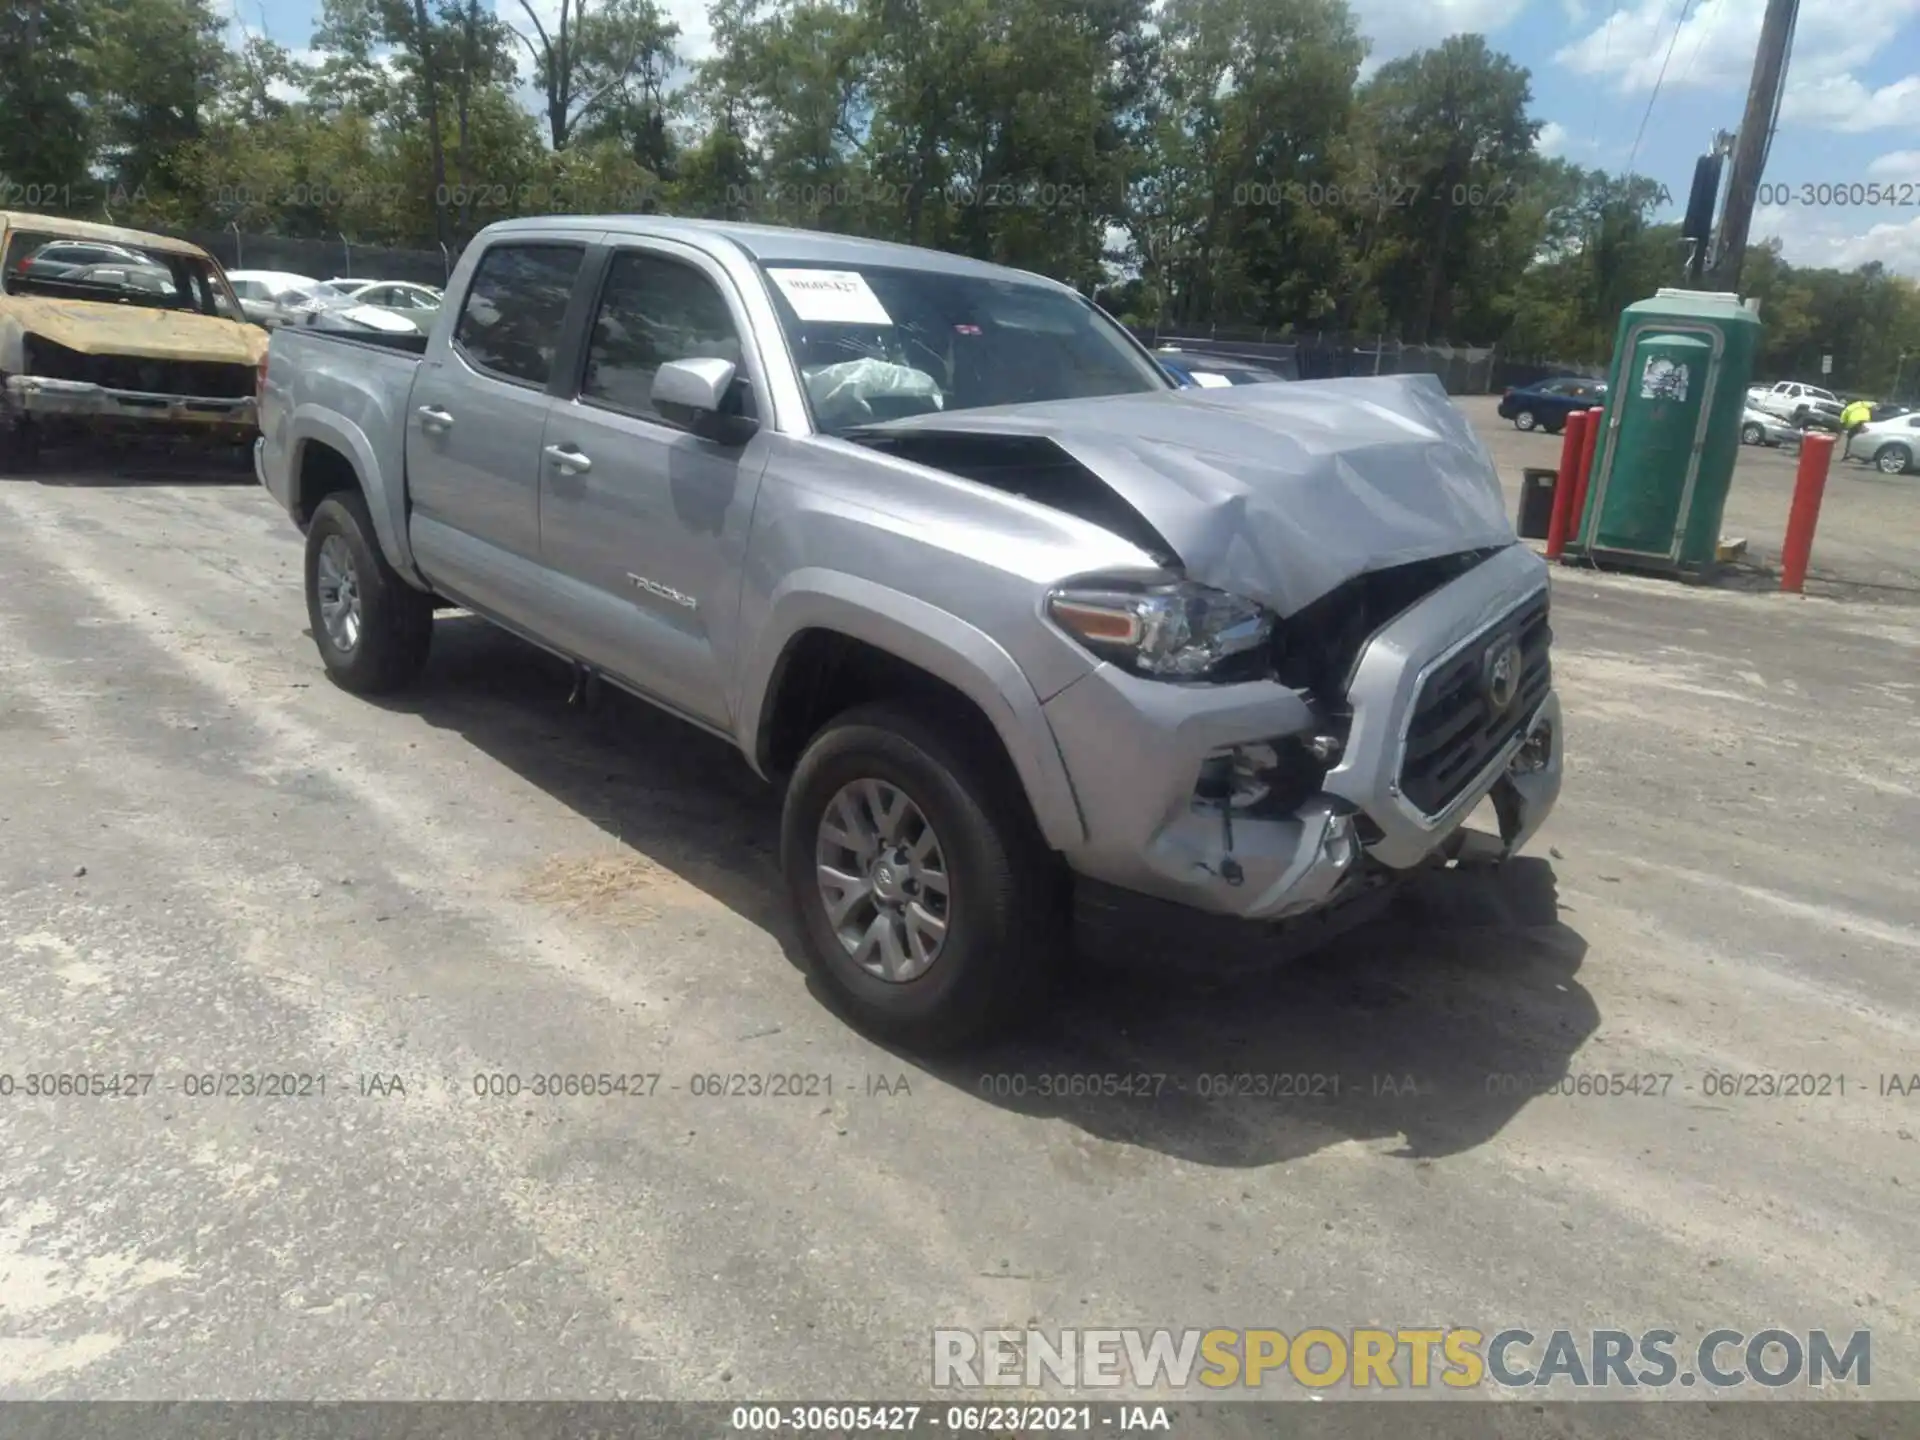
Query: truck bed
point(366, 380)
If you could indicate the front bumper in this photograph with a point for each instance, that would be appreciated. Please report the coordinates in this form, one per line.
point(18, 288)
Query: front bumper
point(42, 398)
point(1134, 749)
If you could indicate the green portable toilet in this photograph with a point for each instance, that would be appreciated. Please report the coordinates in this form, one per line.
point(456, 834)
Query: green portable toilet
point(1664, 463)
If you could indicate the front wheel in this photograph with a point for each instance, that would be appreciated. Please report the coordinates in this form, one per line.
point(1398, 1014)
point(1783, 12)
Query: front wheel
point(1525, 420)
point(1894, 460)
point(19, 445)
point(1752, 434)
point(373, 629)
point(930, 908)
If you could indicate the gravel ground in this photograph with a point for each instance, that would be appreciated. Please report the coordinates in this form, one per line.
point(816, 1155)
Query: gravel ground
point(212, 861)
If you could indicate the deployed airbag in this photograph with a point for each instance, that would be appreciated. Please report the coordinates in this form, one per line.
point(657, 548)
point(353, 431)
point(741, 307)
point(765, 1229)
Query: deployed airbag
point(849, 388)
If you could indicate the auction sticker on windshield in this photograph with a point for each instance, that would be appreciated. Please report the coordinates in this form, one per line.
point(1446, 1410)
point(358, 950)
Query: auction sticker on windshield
point(831, 297)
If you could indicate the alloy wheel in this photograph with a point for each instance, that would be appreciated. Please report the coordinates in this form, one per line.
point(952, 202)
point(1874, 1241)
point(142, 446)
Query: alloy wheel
point(883, 880)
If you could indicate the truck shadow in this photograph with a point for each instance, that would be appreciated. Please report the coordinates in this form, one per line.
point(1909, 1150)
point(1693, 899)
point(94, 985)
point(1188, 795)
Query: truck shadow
point(1433, 1026)
point(108, 463)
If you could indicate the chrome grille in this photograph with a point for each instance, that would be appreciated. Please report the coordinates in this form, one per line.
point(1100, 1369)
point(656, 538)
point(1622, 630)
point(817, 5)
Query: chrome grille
point(1457, 726)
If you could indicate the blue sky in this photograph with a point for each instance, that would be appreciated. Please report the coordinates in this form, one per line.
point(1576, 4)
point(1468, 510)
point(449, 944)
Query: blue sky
point(1851, 115)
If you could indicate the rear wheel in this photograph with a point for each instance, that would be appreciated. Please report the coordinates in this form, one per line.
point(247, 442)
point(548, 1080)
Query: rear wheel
point(372, 628)
point(930, 908)
point(1525, 420)
point(1893, 460)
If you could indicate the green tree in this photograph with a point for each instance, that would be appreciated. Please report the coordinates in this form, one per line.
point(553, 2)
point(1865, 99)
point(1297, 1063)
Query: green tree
point(46, 132)
point(1455, 120)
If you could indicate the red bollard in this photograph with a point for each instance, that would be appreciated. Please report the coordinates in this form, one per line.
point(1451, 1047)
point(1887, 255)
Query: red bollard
point(1562, 519)
point(1596, 417)
point(1809, 485)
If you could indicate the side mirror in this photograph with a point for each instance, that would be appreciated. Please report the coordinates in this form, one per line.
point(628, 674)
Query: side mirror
point(698, 394)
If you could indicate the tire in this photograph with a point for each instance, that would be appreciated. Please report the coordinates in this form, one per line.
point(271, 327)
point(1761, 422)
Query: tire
point(1895, 459)
point(1004, 908)
point(19, 447)
point(1525, 420)
point(388, 647)
point(1752, 435)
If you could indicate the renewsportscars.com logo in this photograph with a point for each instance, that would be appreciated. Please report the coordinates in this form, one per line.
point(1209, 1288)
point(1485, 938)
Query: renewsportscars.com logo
point(1455, 1358)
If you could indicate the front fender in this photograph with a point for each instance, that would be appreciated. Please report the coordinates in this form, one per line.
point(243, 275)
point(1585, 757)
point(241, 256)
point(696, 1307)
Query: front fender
point(939, 643)
point(385, 493)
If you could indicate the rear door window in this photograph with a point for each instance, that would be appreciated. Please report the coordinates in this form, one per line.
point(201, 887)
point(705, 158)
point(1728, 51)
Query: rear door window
point(511, 320)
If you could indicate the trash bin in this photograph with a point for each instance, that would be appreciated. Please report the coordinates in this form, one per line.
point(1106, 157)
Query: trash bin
point(1536, 502)
point(1664, 462)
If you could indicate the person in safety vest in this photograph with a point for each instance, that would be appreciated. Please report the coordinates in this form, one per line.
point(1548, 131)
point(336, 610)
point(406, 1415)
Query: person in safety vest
point(1851, 419)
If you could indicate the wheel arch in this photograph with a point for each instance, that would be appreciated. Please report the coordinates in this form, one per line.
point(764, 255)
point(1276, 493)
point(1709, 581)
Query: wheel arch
point(870, 641)
point(327, 451)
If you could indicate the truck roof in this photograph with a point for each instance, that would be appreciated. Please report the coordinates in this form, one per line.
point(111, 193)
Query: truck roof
point(775, 244)
point(59, 227)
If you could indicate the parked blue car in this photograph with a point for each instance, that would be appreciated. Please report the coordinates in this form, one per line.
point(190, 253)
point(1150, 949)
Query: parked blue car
point(1546, 404)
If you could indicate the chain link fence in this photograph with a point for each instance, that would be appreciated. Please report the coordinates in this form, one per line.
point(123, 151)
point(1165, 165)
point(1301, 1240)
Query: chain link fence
point(1462, 369)
point(1327, 355)
point(325, 259)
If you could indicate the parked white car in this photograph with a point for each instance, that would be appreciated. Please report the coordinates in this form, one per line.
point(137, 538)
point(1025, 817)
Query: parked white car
point(279, 297)
point(416, 304)
point(1891, 446)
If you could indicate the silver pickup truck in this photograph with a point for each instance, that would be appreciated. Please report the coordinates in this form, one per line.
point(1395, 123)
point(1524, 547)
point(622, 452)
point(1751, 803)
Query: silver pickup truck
point(1044, 650)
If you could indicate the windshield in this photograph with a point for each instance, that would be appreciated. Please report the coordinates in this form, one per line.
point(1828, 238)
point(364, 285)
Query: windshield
point(878, 343)
point(113, 274)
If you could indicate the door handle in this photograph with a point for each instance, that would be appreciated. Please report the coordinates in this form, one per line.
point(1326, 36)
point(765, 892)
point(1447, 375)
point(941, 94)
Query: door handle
point(570, 460)
point(434, 420)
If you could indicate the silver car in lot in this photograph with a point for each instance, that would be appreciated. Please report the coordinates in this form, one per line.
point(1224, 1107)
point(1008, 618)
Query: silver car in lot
point(1890, 446)
point(1758, 427)
point(1025, 632)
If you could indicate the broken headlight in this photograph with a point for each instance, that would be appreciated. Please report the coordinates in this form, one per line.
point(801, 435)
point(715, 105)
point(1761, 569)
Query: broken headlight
point(1175, 630)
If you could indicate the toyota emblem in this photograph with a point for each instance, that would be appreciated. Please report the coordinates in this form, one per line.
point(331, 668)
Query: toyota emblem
point(1503, 675)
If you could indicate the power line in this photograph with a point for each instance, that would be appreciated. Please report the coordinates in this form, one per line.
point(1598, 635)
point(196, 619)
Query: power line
point(1659, 80)
point(1606, 49)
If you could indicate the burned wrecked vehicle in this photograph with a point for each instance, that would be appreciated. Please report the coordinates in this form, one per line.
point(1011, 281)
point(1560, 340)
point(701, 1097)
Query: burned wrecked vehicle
point(104, 328)
point(1039, 646)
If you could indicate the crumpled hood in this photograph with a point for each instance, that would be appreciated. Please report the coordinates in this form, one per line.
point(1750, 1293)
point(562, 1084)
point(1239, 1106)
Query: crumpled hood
point(137, 330)
point(1278, 492)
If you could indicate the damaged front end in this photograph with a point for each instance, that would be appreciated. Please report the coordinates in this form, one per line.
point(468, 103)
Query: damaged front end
point(1334, 650)
point(66, 390)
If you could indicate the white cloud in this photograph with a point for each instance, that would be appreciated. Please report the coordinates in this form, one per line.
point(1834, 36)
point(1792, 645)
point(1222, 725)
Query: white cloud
point(696, 30)
point(1576, 11)
point(1895, 165)
point(695, 42)
point(1812, 238)
point(1399, 27)
point(1552, 139)
point(1713, 49)
point(1847, 105)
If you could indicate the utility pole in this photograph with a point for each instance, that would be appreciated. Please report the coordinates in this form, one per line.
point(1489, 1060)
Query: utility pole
point(1750, 146)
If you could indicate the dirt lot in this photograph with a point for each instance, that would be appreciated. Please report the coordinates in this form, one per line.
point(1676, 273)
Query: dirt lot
point(1867, 545)
point(213, 862)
